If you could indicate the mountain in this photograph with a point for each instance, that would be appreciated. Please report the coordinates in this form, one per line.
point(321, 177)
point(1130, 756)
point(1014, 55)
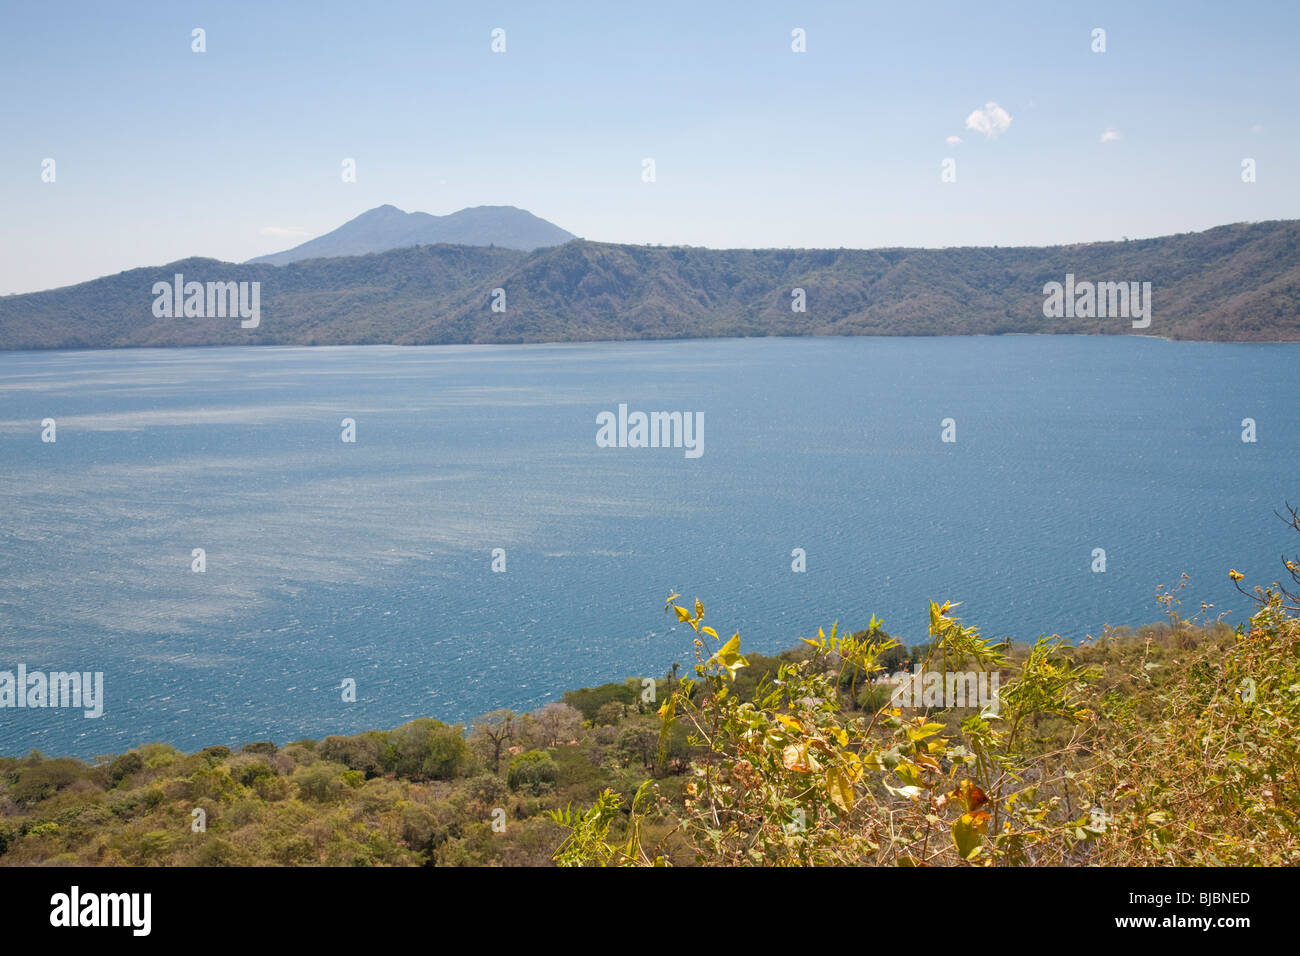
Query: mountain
point(387, 227)
point(370, 299)
point(1232, 283)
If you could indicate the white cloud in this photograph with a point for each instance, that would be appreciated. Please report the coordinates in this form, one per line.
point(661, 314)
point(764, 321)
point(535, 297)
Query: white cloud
point(1257, 128)
point(1110, 136)
point(990, 121)
point(953, 140)
point(283, 232)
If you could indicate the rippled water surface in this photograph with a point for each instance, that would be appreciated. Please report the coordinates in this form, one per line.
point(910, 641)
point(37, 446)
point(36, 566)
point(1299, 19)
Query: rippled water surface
point(372, 560)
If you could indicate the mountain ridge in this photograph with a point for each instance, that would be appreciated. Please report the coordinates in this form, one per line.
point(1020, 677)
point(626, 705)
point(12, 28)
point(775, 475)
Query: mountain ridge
point(387, 227)
point(1238, 282)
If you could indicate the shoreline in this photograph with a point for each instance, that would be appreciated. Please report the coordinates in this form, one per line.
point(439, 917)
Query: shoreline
point(625, 341)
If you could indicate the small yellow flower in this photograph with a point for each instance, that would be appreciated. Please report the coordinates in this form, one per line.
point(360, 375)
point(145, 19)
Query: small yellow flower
point(1236, 575)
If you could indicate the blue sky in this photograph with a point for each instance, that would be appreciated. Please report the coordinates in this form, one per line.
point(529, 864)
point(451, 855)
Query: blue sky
point(163, 153)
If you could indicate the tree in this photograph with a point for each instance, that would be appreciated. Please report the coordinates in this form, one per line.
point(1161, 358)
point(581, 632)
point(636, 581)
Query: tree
point(426, 749)
point(610, 713)
point(125, 765)
point(639, 742)
point(557, 723)
point(533, 771)
point(490, 735)
point(364, 752)
point(321, 782)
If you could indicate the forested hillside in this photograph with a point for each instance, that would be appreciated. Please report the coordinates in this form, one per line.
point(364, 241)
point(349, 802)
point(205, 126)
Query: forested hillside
point(1232, 283)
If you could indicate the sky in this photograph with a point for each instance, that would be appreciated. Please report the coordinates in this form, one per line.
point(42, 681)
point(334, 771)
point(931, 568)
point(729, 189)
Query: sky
point(161, 152)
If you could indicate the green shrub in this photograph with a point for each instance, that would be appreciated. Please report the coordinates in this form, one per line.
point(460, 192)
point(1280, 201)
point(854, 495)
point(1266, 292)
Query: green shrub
point(426, 749)
point(125, 765)
point(321, 782)
point(532, 771)
point(364, 752)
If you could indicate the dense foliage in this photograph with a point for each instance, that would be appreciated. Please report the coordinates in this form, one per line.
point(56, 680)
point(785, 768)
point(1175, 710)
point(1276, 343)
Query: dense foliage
point(1175, 746)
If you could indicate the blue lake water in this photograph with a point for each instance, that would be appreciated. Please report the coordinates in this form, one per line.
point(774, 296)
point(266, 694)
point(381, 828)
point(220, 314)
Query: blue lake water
point(372, 560)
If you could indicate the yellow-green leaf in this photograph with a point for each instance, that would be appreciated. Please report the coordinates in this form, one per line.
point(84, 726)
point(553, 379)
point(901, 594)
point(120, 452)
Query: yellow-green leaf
point(873, 761)
point(968, 834)
point(926, 730)
point(840, 789)
point(909, 773)
point(729, 656)
point(789, 722)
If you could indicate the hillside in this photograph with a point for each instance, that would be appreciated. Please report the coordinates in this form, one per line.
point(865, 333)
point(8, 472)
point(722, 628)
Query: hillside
point(387, 227)
point(357, 299)
point(1232, 283)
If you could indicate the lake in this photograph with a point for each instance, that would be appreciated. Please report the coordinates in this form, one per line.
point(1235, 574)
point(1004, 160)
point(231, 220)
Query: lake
point(372, 560)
